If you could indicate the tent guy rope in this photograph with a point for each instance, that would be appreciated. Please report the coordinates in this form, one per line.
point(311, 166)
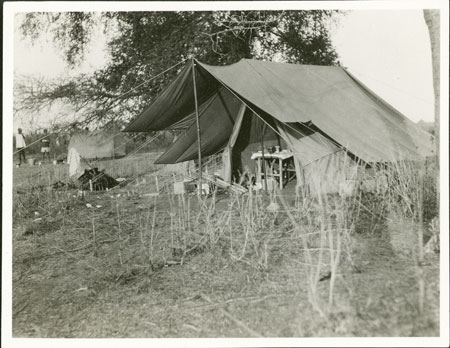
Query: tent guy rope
point(147, 81)
point(120, 96)
point(34, 142)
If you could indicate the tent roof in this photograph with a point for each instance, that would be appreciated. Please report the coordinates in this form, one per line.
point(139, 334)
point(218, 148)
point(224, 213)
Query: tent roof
point(328, 97)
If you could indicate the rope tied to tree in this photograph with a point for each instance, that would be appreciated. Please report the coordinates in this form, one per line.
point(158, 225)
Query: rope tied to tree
point(116, 98)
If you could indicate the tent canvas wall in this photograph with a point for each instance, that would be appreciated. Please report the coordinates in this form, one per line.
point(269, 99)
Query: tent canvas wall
point(98, 144)
point(323, 114)
point(85, 145)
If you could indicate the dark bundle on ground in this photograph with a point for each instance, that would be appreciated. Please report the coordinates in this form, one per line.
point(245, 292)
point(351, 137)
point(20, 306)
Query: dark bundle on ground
point(100, 180)
point(59, 185)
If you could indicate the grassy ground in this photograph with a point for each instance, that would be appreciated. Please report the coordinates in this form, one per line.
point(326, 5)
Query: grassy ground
point(135, 265)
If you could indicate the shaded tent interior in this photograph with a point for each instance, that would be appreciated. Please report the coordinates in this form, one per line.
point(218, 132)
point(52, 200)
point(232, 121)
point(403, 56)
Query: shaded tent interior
point(326, 117)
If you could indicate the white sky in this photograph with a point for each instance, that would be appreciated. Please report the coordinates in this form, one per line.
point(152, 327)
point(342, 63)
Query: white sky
point(388, 50)
point(42, 58)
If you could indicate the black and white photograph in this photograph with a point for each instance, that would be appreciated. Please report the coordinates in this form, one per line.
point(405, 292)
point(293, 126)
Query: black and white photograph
point(225, 174)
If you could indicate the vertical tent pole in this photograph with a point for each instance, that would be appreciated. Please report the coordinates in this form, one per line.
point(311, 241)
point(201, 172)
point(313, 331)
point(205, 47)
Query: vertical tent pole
point(263, 160)
point(278, 140)
point(198, 131)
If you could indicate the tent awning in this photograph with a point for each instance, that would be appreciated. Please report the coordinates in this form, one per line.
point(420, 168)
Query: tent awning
point(329, 97)
point(216, 125)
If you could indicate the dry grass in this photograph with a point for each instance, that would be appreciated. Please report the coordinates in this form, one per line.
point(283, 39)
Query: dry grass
point(132, 265)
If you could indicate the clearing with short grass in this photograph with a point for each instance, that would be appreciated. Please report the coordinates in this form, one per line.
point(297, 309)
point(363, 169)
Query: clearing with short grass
point(129, 263)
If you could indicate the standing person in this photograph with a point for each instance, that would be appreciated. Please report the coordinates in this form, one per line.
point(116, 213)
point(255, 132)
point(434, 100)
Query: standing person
point(45, 146)
point(20, 145)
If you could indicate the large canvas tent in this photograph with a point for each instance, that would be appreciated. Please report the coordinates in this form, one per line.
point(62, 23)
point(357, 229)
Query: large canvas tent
point(323, 114)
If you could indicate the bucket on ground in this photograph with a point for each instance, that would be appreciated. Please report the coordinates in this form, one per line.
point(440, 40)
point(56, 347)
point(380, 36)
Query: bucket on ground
point(31, 161)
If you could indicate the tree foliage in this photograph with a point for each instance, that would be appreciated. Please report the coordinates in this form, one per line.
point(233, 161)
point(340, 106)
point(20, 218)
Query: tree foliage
point(143, 44)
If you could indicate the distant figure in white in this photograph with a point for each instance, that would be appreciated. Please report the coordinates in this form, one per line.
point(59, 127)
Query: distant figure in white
point(20, 145)
point(74, 159)
point(45, 147)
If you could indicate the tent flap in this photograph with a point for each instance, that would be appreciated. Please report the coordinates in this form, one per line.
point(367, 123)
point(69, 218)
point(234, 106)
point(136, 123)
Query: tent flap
point(175, 102)
point(227, 153)
point(216, 124)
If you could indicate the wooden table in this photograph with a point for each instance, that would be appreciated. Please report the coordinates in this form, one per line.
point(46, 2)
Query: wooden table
point(278, 165)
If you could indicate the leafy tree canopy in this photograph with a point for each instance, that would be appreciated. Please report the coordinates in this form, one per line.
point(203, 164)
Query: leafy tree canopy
point(143, 44)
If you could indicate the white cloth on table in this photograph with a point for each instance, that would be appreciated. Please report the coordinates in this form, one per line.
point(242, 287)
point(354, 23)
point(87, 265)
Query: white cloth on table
point(280, 155)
